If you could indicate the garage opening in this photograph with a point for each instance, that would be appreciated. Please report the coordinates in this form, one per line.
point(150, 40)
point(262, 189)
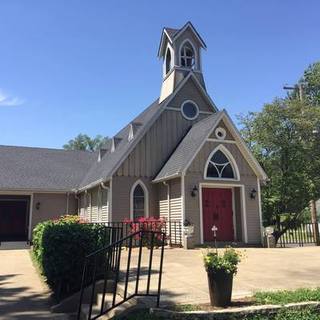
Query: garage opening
point(14, 218)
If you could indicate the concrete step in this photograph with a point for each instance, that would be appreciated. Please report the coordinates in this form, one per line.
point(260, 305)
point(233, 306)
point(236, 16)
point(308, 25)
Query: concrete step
point(14, 245)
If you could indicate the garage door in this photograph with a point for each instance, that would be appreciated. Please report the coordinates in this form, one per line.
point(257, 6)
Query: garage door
point(14, 218)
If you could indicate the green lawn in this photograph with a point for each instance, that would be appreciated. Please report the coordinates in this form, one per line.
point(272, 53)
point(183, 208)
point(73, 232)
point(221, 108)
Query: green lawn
point(284, 297)
point(261, 298)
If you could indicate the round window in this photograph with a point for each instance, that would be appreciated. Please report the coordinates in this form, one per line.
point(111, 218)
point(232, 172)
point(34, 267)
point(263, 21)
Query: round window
point(220, 133)
point(190, 110)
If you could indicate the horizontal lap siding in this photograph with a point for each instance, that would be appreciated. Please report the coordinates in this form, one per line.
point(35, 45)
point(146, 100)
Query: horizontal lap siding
point(94, 205)
point(104, 211)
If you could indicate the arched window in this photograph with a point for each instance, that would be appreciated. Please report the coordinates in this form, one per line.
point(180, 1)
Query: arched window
point(168, 61)
point(139, 201)
point(187, 56)
point(220, 166)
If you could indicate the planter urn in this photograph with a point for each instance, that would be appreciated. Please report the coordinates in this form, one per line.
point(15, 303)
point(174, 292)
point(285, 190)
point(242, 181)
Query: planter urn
point(220, 287)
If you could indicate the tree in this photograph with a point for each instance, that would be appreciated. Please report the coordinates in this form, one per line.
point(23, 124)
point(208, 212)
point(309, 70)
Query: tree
point(84, 142)
point(282, 136)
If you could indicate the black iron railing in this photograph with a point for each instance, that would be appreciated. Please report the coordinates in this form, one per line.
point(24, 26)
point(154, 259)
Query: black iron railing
point(171, 228)
point(300, 235)
point(118, 277)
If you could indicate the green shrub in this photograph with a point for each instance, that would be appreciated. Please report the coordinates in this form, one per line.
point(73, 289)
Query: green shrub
point(60, 247)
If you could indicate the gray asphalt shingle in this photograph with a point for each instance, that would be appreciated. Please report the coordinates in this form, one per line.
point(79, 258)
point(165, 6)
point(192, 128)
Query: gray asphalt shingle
point(187, 148)
point(42, 169)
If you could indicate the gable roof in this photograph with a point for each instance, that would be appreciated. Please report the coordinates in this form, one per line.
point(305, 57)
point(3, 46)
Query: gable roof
point(173, 34)
point(111, 161)
point(25, 168)
point(189, 147)
point(103, 170)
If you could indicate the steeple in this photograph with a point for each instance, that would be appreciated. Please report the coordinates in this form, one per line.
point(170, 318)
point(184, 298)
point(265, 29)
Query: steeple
point(180, 50)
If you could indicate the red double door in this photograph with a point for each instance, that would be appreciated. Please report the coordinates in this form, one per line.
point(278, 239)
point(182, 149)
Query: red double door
point(217, 210)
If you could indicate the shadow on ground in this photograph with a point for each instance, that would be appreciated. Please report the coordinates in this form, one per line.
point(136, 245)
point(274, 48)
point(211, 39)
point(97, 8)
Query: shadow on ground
point(20, 302)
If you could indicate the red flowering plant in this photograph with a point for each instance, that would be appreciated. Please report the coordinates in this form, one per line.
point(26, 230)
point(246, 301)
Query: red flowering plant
point(148, 224)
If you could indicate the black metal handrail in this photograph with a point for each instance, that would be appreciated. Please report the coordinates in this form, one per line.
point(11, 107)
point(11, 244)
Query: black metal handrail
point(105, 265)
point(172, 228)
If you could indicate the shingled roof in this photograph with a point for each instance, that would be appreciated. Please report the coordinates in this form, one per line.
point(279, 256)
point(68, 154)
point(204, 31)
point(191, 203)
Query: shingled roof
point(102, 170)
point(188, 147)
point(25, 168)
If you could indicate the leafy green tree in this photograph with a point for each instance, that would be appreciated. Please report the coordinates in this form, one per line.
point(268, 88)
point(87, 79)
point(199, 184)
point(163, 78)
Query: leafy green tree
point(84, 142)
point(283, 138)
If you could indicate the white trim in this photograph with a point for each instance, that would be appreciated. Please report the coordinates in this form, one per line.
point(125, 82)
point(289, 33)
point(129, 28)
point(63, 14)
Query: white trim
point(223, 186)
point(223, 131)
point(247, 154)
point(184, 115)
point(221, 141)
point(254, 164)
point(177, 34)
point(189, 25)
point(228, 154)
point(172, 56)
point(183, 199)
point(260, 209)
point(244, 214)
point(179, 110)
point(196, 61)
point(146, 198)
point(150, 123)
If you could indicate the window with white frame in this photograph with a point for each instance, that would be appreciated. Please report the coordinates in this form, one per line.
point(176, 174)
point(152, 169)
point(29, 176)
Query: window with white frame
point(187, 56)
point(219, 166)
point(138, 202)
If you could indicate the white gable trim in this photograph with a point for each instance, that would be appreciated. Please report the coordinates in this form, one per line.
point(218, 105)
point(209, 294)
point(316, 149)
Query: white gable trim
point(157, 114)
point(194, 31)
point(254, 164)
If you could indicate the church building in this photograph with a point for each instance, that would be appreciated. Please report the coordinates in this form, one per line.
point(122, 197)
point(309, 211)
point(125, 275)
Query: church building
point(181, 158)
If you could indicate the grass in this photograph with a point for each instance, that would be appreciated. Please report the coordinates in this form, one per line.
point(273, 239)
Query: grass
point(286, 296)
point(305, 314)
point(260, 298)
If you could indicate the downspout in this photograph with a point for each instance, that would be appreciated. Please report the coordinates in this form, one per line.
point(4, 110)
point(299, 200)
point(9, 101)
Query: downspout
point(67, 205)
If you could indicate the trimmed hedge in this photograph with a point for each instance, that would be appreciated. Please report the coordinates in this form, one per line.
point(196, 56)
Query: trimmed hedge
point(60, 247)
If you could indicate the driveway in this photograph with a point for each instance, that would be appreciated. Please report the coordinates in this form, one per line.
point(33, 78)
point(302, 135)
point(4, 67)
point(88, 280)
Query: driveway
point(185, 280)
point(22, 294)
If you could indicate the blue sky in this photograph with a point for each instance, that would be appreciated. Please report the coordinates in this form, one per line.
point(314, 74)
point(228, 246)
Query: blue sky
point(90, 66)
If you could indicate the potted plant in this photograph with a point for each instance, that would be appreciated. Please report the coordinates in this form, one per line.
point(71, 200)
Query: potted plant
point(220, 270)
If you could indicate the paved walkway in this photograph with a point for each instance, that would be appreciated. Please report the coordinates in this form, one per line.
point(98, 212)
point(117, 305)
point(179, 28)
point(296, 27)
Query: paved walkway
point(22, 294)
point(185, 280)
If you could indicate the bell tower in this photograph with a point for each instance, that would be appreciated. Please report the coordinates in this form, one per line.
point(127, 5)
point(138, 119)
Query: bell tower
point(180, 50)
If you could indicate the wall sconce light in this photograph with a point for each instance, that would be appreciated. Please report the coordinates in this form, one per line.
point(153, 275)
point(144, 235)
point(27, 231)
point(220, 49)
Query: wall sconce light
point(253, 193)
point(194, 191)
point(38, 205)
